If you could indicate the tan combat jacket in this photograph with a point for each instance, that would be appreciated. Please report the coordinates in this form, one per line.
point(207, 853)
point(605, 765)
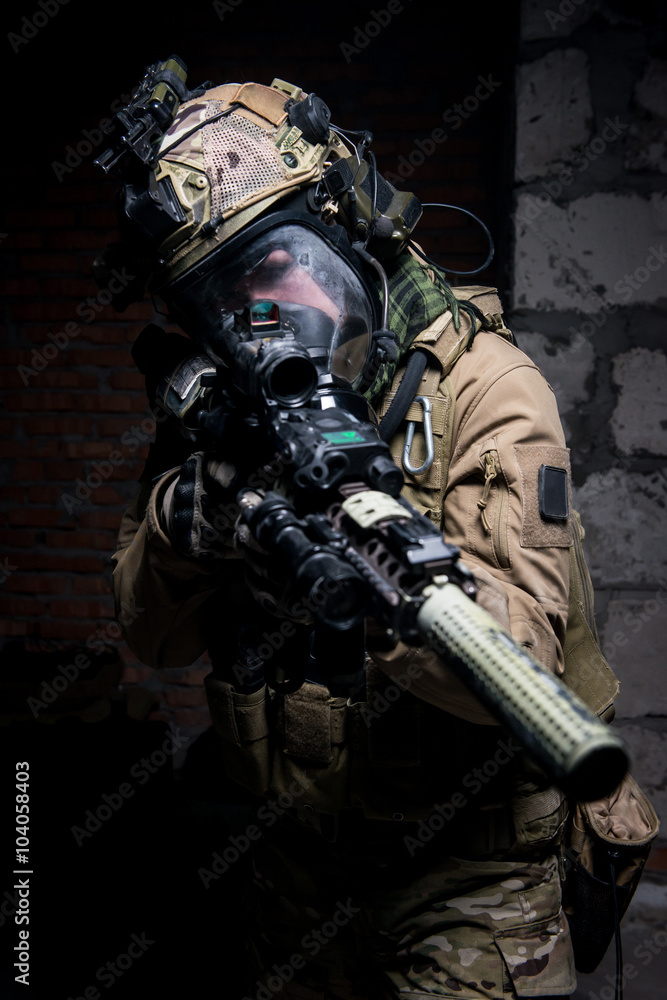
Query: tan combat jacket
point(505, 426)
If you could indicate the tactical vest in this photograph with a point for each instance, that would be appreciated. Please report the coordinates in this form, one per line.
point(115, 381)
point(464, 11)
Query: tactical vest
point(323, 753)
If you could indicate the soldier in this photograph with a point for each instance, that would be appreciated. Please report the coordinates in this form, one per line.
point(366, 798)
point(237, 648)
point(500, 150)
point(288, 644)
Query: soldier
point(402, 845)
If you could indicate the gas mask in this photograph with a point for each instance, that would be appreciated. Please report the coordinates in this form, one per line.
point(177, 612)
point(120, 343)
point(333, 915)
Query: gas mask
point(323, 298)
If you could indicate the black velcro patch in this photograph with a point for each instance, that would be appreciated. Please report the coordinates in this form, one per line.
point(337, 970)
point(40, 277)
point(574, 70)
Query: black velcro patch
point(552, 489)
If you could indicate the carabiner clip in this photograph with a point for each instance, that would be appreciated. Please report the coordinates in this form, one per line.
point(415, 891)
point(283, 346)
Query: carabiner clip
point(428, 437)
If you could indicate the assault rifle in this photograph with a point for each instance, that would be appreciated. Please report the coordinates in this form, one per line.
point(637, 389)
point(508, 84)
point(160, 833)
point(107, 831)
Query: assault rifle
point(340, 520)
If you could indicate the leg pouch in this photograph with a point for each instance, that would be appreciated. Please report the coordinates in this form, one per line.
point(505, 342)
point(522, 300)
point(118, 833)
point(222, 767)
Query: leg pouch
point(603, 856)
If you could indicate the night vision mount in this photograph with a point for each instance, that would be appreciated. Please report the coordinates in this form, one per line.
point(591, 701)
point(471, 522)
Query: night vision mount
point(140, 125)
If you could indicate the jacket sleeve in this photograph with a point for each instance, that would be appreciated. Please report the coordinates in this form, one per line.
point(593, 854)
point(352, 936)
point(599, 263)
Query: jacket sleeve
point(506, 426)
point(167, 591)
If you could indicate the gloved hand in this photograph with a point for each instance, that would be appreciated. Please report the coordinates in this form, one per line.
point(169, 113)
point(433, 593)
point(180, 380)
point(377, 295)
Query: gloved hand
point(197, 508)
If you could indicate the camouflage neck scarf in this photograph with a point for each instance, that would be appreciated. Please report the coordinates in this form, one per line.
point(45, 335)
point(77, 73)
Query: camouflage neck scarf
point(414, 303)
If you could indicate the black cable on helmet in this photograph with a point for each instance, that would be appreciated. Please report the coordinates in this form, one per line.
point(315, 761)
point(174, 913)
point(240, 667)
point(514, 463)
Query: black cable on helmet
point(200, 125)
point(450, 270)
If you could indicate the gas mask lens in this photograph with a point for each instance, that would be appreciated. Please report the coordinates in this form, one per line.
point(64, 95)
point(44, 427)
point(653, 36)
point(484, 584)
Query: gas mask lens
point(318, 294)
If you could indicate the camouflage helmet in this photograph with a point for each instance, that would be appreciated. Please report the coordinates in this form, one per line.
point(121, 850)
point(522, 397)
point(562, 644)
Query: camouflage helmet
point(227, 157)
point(205, 171)
point(213, 160)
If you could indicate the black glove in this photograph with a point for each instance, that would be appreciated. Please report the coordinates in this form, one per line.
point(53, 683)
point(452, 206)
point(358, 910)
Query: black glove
point(197, 508)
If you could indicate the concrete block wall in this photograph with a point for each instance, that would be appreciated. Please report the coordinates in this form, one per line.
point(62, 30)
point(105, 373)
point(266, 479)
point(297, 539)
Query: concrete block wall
point(589, 304)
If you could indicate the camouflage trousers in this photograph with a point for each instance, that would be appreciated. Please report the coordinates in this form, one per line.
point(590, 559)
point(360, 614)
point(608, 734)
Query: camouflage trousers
point(374, 919)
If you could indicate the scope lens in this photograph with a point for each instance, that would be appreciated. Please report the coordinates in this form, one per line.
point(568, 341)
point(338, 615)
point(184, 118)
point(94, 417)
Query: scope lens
point(291, 381)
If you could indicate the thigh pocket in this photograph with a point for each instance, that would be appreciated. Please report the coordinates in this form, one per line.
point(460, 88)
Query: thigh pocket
point(537, 952)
